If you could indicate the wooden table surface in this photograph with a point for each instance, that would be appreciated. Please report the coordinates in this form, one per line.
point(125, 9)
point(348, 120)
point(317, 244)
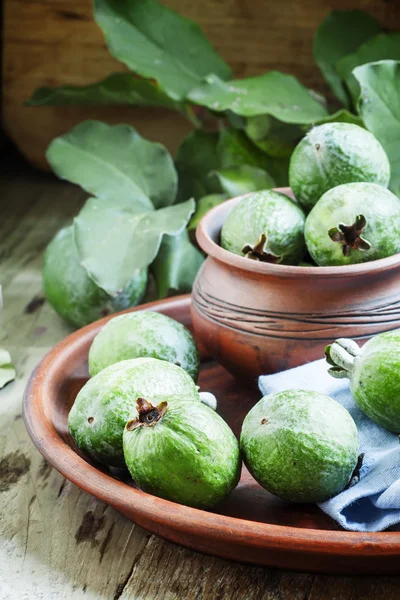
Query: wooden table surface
point(57, 542)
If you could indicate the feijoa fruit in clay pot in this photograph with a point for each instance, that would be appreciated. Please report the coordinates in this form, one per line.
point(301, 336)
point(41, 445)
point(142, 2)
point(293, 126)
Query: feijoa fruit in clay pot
point(266, 226)
point(299, 445)
point(144, 333)
point(353, 223)
point(106, 402)
point(374, 374)
point(71, 292)
point(333, 154)
point(181, 451)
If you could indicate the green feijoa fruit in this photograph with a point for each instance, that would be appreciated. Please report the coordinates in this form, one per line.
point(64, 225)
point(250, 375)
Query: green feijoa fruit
point(266, 226)
point(300, 445)
point(353, 223)
point(374, 374)
point(71, 292)
point(181, 451)
point(106, 402)
point(144, 333)
point(333, 154)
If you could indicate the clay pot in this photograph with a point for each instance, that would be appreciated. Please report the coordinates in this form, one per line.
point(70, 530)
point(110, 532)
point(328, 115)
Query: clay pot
point(257, 318)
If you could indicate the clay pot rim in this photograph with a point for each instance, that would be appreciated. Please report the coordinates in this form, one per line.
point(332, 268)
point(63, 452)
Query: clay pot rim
point(211, 248)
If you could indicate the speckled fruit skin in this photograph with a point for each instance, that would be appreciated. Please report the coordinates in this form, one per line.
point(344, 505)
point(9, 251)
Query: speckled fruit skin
point(300, 445)
point(190, 456)
point(271, 213)
point(333, 154)
point(342, 204)
point(144, 334)
point(375, 379)
point(109, 398)
point(71, 292)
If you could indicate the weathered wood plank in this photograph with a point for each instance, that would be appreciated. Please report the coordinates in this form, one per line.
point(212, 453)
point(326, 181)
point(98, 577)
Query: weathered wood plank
point(58, 543)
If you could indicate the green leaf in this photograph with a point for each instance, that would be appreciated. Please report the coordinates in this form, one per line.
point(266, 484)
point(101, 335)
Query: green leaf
point(112, 161)
point(338, 35)
point(235, 149)
point(380, 47)
point(342, 116)
point(158, 43)
point(277, 94)
point(243, 179)
point(379, 106)
point(203, 206)
point(176, 265)
point(7, 369)
point(114, 241)
point(273, 137)
point(196, 157)
point(120, 88)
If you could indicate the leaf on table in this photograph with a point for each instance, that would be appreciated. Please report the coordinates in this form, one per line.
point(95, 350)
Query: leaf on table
point(243, 179)
point(114, 240)
point(203, 205)
point(176, 264)
point(273, 137)
point(7, 369)
point(379, 106)
point(120, 88)
point(196, 157)
point(158, 43)
point(339, 34)
point(277, 94)
point(382, 46)
point(112, 161)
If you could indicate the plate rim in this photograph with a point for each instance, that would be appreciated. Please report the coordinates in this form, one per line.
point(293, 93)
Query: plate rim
point(253, 534)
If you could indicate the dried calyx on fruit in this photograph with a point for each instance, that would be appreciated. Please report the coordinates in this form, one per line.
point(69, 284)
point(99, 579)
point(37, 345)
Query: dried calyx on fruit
point(148, 415)
point(350, 236)
point(259, 251)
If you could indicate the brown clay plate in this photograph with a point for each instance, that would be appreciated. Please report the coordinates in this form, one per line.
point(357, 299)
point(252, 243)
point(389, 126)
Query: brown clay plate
point(250, 526)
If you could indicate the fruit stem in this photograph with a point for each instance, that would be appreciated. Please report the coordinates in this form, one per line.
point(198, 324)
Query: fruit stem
point(149, 415)
point(208, 399)
point(341, 355)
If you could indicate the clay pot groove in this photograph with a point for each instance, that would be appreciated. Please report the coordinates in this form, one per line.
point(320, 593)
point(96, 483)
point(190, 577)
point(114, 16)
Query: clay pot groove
point(257, 318)
point(266, 322)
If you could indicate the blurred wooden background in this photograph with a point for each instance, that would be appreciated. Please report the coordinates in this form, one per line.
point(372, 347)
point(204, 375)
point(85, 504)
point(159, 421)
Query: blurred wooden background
point(53, 42)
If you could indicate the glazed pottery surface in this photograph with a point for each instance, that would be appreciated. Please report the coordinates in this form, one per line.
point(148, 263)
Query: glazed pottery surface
point(257, 318)
point(250, 526)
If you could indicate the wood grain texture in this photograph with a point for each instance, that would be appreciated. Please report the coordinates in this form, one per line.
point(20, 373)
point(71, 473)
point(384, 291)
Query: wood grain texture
point(53, 43)
point(57, 542)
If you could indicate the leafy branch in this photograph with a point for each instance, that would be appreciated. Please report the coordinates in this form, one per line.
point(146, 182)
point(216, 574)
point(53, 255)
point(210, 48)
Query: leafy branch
point(245, 132)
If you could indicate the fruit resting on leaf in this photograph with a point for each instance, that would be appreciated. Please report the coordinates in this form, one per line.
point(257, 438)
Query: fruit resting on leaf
point(106, 402)
point(300, 445)
point(181, 451)
point(353, 223)
point(72, 293)
point(266, 226)
point(374, 374)
point(144, 333)
point(334, 154)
